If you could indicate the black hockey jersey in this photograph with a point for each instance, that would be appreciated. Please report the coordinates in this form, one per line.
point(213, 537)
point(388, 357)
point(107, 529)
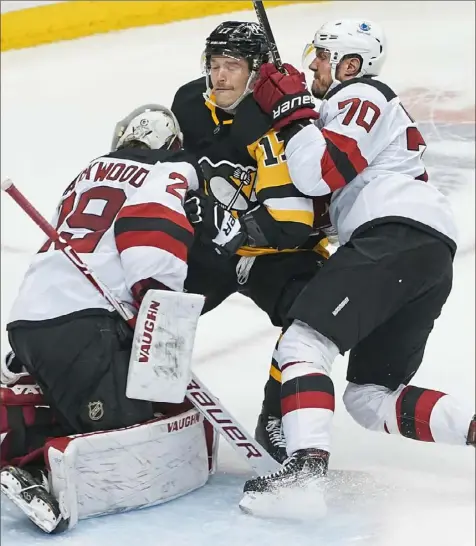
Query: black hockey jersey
point(244, 165)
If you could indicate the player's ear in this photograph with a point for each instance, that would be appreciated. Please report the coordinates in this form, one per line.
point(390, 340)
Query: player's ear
point(352, 66)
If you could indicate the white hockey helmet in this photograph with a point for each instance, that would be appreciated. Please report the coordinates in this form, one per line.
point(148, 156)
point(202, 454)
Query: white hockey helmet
point(152, 124)
point(348, 37)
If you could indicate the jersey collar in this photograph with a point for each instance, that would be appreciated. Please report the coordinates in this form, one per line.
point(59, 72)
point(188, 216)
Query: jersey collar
point(219, 116)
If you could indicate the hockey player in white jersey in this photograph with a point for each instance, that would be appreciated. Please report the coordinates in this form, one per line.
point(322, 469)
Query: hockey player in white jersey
point(380, 293)
point(123, 214)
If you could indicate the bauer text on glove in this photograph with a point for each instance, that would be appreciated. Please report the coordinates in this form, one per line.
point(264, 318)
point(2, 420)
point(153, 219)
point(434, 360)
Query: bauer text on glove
point(284, 97)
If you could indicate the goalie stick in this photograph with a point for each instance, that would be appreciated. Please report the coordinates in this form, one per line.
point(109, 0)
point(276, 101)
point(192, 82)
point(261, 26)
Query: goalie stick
point(198, 394)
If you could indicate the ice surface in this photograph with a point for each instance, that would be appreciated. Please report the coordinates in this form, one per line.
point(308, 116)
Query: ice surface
point(59, 105)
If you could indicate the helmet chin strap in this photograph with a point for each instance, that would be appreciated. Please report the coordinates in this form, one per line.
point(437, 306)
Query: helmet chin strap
point(335, 82)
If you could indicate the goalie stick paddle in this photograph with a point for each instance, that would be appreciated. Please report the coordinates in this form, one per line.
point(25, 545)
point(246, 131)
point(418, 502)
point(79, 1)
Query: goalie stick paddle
point(198, 394)
point(264, 22)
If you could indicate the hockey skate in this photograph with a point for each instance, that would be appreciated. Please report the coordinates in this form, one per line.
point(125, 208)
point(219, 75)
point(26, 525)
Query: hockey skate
point(31, 495)
point(269, 434)
point(294, 492)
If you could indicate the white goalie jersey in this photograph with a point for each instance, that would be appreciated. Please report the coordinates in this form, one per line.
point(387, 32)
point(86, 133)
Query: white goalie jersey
point(123, 214)
point(366, 150)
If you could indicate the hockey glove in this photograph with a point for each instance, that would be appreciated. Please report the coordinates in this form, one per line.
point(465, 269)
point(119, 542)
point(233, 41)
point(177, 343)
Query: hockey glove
point(215, 224)
point(284, 97)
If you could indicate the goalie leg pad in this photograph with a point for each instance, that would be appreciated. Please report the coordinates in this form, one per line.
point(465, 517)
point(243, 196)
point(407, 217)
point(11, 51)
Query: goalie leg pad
point(131, 468)
point(161, 357)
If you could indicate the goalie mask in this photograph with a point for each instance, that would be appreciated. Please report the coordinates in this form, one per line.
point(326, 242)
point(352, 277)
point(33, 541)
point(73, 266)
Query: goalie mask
point(152, 124)
point(345, 37)
point(237, 40)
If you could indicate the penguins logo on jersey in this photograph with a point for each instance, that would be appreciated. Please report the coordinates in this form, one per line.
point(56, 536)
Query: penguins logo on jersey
point(230, 183)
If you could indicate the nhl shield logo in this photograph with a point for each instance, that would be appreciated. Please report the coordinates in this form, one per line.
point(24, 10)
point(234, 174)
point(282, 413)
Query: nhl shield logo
point(96, 410)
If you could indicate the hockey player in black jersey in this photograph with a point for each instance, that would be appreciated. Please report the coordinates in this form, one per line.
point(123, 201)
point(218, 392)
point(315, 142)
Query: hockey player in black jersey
point(255, 231)
point(380, 293)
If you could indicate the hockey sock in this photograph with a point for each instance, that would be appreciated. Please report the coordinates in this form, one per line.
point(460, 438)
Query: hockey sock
point(413, 412)
point(307, 393)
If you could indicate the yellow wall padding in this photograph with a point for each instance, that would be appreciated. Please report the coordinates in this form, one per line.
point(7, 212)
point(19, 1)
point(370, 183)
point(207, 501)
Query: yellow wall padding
point(77, 18)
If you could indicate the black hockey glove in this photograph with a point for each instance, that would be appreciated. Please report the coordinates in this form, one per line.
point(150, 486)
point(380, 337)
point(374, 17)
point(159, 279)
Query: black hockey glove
point(214, 224)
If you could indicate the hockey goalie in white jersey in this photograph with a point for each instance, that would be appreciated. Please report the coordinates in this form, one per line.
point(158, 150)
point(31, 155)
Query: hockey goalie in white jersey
point(380, 293)
point(103, 451)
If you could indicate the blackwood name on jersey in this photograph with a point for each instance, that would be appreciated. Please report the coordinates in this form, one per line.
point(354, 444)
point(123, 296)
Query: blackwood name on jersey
point(123, 213)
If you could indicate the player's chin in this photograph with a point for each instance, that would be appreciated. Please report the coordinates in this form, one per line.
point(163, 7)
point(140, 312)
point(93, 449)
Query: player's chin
point(224, 99)
point(318, 91)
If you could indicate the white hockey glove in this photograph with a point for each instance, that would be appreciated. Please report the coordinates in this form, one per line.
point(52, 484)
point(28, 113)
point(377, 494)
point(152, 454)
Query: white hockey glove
point(214, 223)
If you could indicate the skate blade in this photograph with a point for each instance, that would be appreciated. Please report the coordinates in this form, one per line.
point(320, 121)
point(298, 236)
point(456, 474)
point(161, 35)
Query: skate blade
point(36, 510)
point(291, 503)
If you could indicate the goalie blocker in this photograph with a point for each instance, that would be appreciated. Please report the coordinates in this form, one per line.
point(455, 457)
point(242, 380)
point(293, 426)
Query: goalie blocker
point(161, 356)
point(114, 471)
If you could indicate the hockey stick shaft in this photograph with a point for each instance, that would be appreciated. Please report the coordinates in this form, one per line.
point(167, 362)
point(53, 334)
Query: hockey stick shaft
point(264, 22)
point(235, 197)
point(198, 394)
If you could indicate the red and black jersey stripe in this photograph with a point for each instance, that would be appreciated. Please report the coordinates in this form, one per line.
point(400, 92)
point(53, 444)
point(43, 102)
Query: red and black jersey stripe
point(414, 407)
point(308, 391)
point(342, 161)
point(154, 225)
point(386, 91)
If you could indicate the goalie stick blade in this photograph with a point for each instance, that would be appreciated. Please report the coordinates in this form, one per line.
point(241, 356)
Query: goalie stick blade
point(227, 426)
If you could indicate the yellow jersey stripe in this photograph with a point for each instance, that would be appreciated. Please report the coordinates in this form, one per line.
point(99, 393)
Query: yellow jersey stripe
point(275, 373)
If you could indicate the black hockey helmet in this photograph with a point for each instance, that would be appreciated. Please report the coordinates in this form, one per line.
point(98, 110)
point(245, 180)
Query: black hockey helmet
point(238, 39)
